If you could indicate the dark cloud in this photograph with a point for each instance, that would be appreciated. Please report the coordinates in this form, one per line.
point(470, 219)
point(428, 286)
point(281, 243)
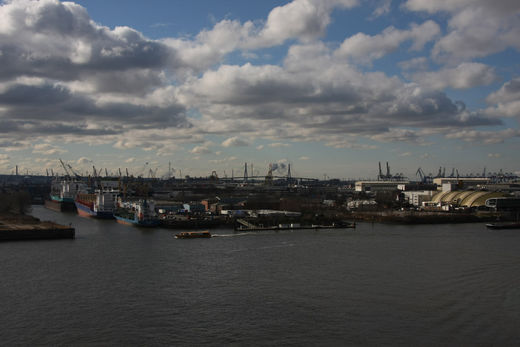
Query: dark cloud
point(46, 103)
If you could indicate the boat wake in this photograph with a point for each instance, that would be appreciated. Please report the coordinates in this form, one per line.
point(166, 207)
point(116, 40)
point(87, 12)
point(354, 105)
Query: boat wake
point(231, 235)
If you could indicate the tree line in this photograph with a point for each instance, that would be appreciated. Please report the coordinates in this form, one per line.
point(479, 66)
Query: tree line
point(15, 202)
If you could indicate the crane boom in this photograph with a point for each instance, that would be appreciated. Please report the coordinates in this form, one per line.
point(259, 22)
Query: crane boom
point(64, 167)
point(74, 172)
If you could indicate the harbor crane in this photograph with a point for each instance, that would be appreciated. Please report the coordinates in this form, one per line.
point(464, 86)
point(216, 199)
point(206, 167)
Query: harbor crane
point(388, 175)
point(269, 176)
point(424, 178)
point(67, 173)
point(74, 172)
point(152, 173)
point(421, 174)
point(452, 175)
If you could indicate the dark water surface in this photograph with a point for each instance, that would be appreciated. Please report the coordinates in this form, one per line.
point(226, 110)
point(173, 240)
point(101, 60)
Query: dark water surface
point(377, 284)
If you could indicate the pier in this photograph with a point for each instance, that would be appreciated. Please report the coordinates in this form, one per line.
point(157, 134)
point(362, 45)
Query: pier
point(28, 229)
point(244, 225)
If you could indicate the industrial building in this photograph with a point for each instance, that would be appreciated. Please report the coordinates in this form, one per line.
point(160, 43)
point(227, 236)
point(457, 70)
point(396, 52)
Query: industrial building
point(465, 198)
point(462, 182)
point(503, 204)
point(416, 198)
point(377, 186)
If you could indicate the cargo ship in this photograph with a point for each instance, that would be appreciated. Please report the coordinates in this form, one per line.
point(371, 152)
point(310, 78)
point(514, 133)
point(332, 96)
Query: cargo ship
point(63, 193)
point(66, 190)
point(100, 204)
point(139, 213)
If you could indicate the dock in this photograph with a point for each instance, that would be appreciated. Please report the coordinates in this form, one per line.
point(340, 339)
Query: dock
point(243, 225)
point(34, 231)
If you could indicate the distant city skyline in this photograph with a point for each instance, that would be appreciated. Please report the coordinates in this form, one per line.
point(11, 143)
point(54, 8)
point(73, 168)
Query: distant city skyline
point(330, 86)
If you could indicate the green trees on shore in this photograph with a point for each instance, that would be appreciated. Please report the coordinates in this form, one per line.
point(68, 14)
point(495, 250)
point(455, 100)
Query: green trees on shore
point(15, 202)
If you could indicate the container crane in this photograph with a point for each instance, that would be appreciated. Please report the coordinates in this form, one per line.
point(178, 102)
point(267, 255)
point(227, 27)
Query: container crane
point(269, 176)
point(421, 174)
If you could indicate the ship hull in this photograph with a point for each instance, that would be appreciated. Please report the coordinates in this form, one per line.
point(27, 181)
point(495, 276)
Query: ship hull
point(143, 223)
point(86, 211)
point(62, 200)
point(60, 206)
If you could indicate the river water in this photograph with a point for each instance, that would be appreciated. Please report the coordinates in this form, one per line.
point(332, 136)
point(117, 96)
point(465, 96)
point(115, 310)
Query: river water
point(373, 285)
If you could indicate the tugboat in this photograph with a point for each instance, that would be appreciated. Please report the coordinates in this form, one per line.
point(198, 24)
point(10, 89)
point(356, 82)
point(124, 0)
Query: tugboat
point(139, 213)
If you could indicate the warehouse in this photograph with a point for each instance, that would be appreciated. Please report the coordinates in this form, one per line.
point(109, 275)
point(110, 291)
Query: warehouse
point(465, 198)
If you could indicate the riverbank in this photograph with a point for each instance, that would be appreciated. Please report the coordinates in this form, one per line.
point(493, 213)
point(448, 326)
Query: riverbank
point(15, 227)
point(421, 217)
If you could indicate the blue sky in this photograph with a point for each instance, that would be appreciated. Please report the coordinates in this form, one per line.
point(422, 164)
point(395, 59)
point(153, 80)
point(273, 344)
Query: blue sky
point(330, 86)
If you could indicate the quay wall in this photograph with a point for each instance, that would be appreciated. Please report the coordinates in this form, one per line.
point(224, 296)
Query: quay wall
point(416, 217)
point(17, 230)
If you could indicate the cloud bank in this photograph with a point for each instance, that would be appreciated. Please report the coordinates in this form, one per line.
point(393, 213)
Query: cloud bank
point(64, 77)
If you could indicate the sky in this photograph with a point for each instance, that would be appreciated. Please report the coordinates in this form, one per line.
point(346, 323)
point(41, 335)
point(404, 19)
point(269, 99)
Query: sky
point(331, 87)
